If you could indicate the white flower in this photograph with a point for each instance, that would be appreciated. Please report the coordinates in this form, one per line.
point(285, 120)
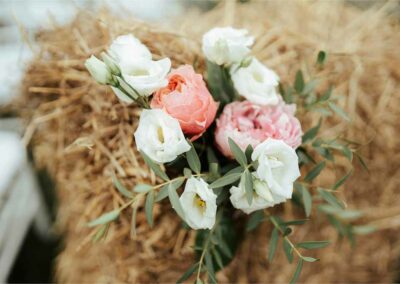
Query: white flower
point(99, 70)
point(199, 204)
point(127, 48)
point(273, 180)
point(256, 83)
point(262, 197)
point(226, 45)
point(144, 76)
point(277, 165)
point(160, 136)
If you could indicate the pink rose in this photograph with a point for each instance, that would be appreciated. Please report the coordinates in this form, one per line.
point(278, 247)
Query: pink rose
point(187, 99)
point(247, 123)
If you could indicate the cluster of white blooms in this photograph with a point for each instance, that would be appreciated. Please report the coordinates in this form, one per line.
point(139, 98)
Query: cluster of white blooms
point(129, 69)
point(273, 180)
point(251, 79)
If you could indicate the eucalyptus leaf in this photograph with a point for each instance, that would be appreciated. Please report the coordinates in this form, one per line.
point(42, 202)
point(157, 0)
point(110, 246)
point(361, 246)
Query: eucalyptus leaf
point(297, 272)
point(121, 188)
point(321, 57)
point(248, 185)
point(313, 245)
point(225, 180)
point(330, 198)
point(155, 167)
point(101, 233)
point(255, 219)
point(339, 111)
point(342, 180)
point(296, 222)
point(309, 259)
point(364, 229)
point(105, 218)
point(272, 244)
point(175, 202)
point(237, 153)
point(193, 160)
point(287, 248)
point(315, 172)
point(149, 208)
point(310, 86)
point(248, 152)
point(188, 273)
point(312, 132)
point(299, 82)
point(142, 188)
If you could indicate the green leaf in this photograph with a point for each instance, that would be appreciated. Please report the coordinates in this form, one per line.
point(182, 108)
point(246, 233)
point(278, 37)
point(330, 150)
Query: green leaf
point(225, 180)
point(342, 180)
point(175, 184)
point(101, 232)
point(297, 272)
point(193, 160)
point(299, 82)
point(133, 220)
point(121, 188)
point(362, 162)
point(105, 218)
point(309, 259)
point(315, 172)
point(210, 266)
point(313, 245)
point(272, 244)
point(306, 198)
point(312, 132)
point(310, 86)
point(347, 153)
point(249, 152)
point(321, 57)
point(326, 95)
point(330, 198)
point(337, 224)
point(142, 188)
point(149, 208)
point(237, 153)
point(288, 250)
point(217, 258)
point(187, 172)
point(175, 202)
point(339, 111)
point(188, 273)
point(255, 219)
point(296, 222)
point(155, 167)
point(248, 185)
point(163, 193)
point(364, 230)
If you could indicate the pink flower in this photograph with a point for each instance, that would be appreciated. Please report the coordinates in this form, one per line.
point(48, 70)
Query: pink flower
point(187, 99)
point(250, 124)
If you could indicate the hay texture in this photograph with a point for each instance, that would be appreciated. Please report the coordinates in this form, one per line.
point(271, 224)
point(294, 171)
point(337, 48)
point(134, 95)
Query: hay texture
point(82, 134)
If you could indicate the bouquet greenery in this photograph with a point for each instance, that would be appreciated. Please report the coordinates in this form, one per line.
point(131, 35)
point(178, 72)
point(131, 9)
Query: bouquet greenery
point(228, 144)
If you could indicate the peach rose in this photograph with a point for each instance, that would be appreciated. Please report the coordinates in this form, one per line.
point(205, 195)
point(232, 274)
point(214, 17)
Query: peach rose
point(187, 99)
point(250, 124)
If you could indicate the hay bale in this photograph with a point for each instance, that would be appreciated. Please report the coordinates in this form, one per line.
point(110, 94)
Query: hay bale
point(82, 134)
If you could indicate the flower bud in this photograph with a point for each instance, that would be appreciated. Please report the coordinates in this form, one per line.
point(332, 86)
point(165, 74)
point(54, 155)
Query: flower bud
point(99, 70)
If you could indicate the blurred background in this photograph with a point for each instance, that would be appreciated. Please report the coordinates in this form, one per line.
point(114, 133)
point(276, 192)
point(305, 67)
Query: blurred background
point(28, 246)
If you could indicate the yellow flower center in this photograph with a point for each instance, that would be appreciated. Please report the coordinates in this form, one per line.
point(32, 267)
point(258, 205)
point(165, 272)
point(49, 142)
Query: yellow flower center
point(200, 203)
point(160, 134)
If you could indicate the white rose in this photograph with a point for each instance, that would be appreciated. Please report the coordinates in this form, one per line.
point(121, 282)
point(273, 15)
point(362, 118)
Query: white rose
point(160, 136)
point(127, 48)
point(144, 76)
point(277, 165)
point(199, 204)
point(263, 197)
point(256, 83)
point(226, 45)
point(99, 70)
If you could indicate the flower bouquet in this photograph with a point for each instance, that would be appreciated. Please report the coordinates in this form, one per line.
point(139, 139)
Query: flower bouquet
point(227, 144)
